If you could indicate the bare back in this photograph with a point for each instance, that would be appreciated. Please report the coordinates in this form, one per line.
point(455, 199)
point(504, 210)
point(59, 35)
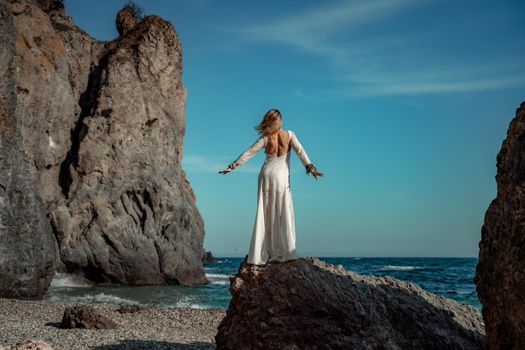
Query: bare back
point(278, 144)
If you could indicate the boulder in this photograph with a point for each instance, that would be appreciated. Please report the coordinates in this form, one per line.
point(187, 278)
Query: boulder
point(307, 303)
point(85, 316)
point(500, 273)
point(29, 345)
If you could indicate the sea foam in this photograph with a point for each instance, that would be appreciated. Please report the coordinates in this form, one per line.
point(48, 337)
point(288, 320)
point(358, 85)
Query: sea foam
point(217, 275)
point(61, 280)
point(400, 267)
point(96, 298)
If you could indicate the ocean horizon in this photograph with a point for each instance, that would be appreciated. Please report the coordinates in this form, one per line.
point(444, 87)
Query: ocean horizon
point(450, 277)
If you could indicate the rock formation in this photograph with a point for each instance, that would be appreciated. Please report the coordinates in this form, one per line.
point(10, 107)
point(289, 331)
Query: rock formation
point(91, 146)
point(500, 273)
point(207, 256)
point(29, 345)
point(85, 316)
point(309, 304)
point(127, 18)
point(27, 248)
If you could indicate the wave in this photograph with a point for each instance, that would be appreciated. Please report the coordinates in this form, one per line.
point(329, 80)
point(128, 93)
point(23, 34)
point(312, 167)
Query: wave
point(187, 302)
point(217, 275)
point(219, 283)
point(61, 280)
point(184, 302)
point(400, 267)
point(96, 298)
point(218, 279)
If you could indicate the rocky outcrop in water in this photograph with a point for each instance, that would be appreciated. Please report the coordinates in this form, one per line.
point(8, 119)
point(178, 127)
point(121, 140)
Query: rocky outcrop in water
point(500, 273)
point(207, 256)
point(309, 304)
point(91, 146)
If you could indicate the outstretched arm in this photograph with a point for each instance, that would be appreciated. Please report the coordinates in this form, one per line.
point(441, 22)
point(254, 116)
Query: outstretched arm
point(250, 152)
point(301, 153)
point(247, 154)
point(299, 150)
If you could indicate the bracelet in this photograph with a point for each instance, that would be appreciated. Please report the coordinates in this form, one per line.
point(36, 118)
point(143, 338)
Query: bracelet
point(233, 165)
point(309, 168)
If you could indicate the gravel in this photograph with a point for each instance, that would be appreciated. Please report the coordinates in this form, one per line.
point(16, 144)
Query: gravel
point(149, 328)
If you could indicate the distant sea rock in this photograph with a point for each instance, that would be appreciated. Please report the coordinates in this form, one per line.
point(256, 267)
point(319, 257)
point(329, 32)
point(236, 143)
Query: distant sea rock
point(309, 304)
point(500, 273)
point(207, 256)
point(91, 139)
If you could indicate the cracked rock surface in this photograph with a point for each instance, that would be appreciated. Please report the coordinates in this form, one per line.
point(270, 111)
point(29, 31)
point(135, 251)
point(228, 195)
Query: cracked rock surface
point(307, 303)
point(500, 273)
point(91, 142)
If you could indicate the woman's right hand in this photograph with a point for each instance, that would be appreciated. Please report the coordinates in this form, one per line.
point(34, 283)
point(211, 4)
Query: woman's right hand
point(225, 171)
point(228, 169)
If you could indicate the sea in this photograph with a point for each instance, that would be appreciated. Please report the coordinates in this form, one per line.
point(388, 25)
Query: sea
point(448, 277)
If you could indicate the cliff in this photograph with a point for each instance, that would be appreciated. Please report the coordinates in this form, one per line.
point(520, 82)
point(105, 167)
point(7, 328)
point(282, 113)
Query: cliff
point(91, 146)
point(500, 273)
point(309, 304)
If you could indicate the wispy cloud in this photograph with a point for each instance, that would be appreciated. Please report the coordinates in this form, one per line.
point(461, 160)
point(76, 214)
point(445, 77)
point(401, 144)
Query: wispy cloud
point(451, 85)
point(427, 80)
point(311, 29)
point(366, 61)
point(213, 164)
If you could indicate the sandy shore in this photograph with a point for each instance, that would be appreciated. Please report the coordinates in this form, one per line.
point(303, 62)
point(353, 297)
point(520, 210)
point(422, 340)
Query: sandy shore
point(150, 328)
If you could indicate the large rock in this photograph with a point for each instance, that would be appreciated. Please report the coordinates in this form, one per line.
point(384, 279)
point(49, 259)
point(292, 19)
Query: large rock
point(309, 304)
point(92, 138)
point(85, 316)
point(500, 273)
point(27, 245)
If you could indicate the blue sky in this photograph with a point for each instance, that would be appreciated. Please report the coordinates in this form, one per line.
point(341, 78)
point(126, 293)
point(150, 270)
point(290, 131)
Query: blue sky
point(403, 104)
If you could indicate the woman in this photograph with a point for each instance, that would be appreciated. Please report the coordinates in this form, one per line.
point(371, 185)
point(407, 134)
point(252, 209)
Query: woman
point(273, 236)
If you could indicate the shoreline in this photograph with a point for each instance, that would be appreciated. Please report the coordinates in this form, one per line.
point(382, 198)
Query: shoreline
point(149, 328)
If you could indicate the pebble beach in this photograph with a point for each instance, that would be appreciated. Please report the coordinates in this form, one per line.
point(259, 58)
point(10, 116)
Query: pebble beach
point(149, 328)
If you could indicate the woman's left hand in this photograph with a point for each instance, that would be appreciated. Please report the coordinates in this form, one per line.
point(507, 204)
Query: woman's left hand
point(229, 168)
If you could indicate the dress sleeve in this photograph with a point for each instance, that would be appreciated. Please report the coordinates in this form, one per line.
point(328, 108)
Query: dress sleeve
point(250, 152)
point(298, 148)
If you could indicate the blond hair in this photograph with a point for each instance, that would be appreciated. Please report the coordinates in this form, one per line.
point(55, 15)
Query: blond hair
point(271, 123)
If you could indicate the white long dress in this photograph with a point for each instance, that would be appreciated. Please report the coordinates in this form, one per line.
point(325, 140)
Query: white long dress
point(273, 236)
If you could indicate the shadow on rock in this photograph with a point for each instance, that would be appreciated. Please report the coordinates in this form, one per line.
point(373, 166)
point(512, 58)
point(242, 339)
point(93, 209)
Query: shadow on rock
point(153, 344)
point(54, 324)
